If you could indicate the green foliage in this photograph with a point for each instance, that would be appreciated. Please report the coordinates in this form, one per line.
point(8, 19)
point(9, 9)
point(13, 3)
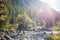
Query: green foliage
point(24, 18)
point(6, 10)
point(55, 37)
point(55, 28)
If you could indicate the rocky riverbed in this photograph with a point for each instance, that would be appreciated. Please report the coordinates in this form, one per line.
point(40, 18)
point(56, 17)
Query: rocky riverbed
point(31, 35)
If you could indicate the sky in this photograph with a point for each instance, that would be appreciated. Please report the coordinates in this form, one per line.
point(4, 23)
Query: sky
point(55, 4)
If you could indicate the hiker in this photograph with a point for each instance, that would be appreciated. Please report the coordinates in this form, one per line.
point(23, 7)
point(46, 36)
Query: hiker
point(21, 27)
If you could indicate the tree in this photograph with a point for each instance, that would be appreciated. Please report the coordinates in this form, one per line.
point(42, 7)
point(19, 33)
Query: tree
point(5, 14)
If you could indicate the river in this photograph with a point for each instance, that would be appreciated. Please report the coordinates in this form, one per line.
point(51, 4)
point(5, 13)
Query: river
point(34, 35)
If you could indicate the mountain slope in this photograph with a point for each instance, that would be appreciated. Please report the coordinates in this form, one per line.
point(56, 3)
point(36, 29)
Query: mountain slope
point(38, 11)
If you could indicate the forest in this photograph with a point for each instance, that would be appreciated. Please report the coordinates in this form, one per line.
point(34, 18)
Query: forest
point(31, 15)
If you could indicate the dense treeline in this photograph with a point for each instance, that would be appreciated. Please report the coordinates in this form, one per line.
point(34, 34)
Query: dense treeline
point(4, 14)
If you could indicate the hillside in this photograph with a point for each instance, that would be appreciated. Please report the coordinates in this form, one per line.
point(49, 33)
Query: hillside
point(38, 11)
